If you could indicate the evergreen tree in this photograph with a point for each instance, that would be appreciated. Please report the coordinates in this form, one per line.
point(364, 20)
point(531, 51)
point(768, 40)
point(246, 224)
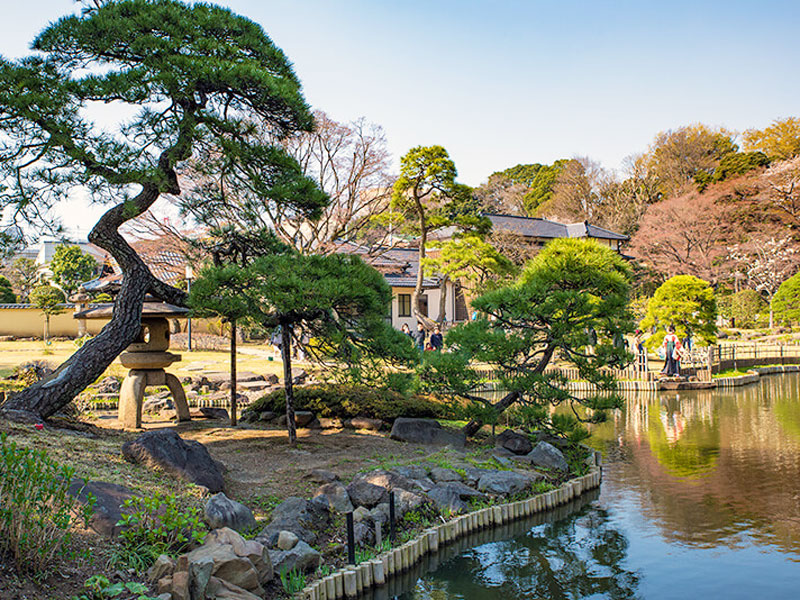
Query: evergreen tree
point(685, 302)
point(337, 301)
point(571, 301)
point(185, 80)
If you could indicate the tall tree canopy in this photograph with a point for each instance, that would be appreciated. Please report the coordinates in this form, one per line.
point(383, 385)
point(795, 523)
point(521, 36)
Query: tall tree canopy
point(336, 301)
point(426, 197)
point(183, 81)
point(71, 267)
point(688, 304)
point(573, 296)
point(779, 141)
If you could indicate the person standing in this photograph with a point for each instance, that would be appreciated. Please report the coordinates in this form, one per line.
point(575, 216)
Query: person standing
point(404, 329)
point(437, 341)
point(672, 346)
point(419, 337)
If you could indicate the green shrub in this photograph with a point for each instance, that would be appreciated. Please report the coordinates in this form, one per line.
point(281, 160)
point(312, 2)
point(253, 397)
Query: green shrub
point(155, 525)
point(98, 587)
point(292, 581)
point(347, 401)
point(36, 510)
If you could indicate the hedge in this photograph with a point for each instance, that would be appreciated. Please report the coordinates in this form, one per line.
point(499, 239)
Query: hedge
point(347, 401)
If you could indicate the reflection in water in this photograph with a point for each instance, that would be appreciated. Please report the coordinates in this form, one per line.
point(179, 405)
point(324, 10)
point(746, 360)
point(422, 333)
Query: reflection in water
point(571, 552)
point(700, 498)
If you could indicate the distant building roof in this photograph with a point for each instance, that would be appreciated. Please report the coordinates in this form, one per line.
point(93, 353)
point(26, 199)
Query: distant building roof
point(544, 228)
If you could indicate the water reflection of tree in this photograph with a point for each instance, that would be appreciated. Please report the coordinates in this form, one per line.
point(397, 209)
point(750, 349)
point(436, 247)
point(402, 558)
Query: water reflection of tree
point(578, 557)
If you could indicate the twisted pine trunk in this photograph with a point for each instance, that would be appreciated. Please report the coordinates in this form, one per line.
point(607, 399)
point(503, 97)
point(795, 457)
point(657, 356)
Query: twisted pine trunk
point(48, 396)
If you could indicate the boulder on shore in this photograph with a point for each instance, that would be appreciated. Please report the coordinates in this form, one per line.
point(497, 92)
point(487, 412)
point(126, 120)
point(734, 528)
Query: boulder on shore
point(548, 456)
point(515, 442)
point(220, 511)
point(426, 431)
point(187, 459)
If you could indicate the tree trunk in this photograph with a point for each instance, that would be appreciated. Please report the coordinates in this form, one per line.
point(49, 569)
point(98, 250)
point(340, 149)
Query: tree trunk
point(233, 372)
point(288, 384)
point(443, 300)
point(473, 426)
point(46, 327)
point(48, 396)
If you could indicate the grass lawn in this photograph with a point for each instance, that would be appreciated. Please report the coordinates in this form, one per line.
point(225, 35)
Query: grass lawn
point(249, 357)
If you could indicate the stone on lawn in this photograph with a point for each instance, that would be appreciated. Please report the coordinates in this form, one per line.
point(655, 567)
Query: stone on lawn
point(441, 475)
point(447, 499)
point(210, 412)
point(298, 515)
point(515, 442)
point(301, 557)
point(364, 423)
point(221, 511)
point(107, 510)
point(163, 567)
point(548, 456)
point(287, 540)
point(426, 431)
point(363, 493)
point(504, 483)
point(336, 497)
point(187, 459)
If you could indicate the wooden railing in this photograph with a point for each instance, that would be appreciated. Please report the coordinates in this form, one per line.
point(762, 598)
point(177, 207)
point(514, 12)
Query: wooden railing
point(700, 361)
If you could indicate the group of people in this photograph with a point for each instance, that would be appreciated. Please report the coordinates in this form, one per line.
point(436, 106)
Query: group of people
point(672, 348)
point(421, 339)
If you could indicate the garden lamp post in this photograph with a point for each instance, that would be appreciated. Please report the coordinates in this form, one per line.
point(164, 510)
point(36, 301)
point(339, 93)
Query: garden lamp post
point(189, 276)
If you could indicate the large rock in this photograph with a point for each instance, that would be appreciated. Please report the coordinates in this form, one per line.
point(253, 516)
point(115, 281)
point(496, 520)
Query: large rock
point(364, 493)
point(336, 496)
point(406, 501)
point(515, 442)
point(447, 499)
point(301, 557)
point(253, 551)
point(155, 405)
point(504, 483)
point(230, 558)
point(164, 449)
point(219, 589)
point(411, 471)
point(389, 480)
point(441, 475)
point(109, 498)
point(548, 456)
point(464, 491)
point(298, 515)
point(221, 511)
point(426, 431)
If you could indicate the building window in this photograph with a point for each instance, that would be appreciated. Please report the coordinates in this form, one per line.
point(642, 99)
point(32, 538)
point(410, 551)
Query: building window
point(404, 305)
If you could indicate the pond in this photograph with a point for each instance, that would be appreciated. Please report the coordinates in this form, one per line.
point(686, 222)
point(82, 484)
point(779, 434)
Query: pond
point(700, 499)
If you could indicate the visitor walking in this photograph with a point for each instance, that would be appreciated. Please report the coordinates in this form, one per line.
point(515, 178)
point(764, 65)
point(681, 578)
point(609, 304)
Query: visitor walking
point(672, 346)
point(437, 341)
point(419, 337)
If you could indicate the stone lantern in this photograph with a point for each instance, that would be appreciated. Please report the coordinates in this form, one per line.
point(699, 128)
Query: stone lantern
point(146, 358)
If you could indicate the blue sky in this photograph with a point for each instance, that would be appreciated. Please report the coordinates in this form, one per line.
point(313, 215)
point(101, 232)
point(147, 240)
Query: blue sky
point(505, 82)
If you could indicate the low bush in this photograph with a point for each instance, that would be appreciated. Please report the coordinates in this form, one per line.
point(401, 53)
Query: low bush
point(155, 525)
point(347, 401)
point(37, 513)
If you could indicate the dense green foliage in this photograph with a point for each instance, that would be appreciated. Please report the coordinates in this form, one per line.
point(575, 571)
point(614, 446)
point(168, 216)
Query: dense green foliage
point(155, 525)
point(7, 295)
point(571, 301)
point(36, 511)
point(537, 180)
point(687, 303)
point(71, 267)
point(348, 401)
point(744, 309)
point(786, 304)
point(731, 165)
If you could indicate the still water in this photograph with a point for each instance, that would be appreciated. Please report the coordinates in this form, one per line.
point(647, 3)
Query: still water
point(700, 499)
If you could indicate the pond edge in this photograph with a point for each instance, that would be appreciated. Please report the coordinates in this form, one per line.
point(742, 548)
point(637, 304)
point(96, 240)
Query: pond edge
point(350, 581)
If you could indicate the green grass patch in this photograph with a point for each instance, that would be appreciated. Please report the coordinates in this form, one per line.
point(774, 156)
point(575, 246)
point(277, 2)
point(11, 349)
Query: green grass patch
point(731, 373)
